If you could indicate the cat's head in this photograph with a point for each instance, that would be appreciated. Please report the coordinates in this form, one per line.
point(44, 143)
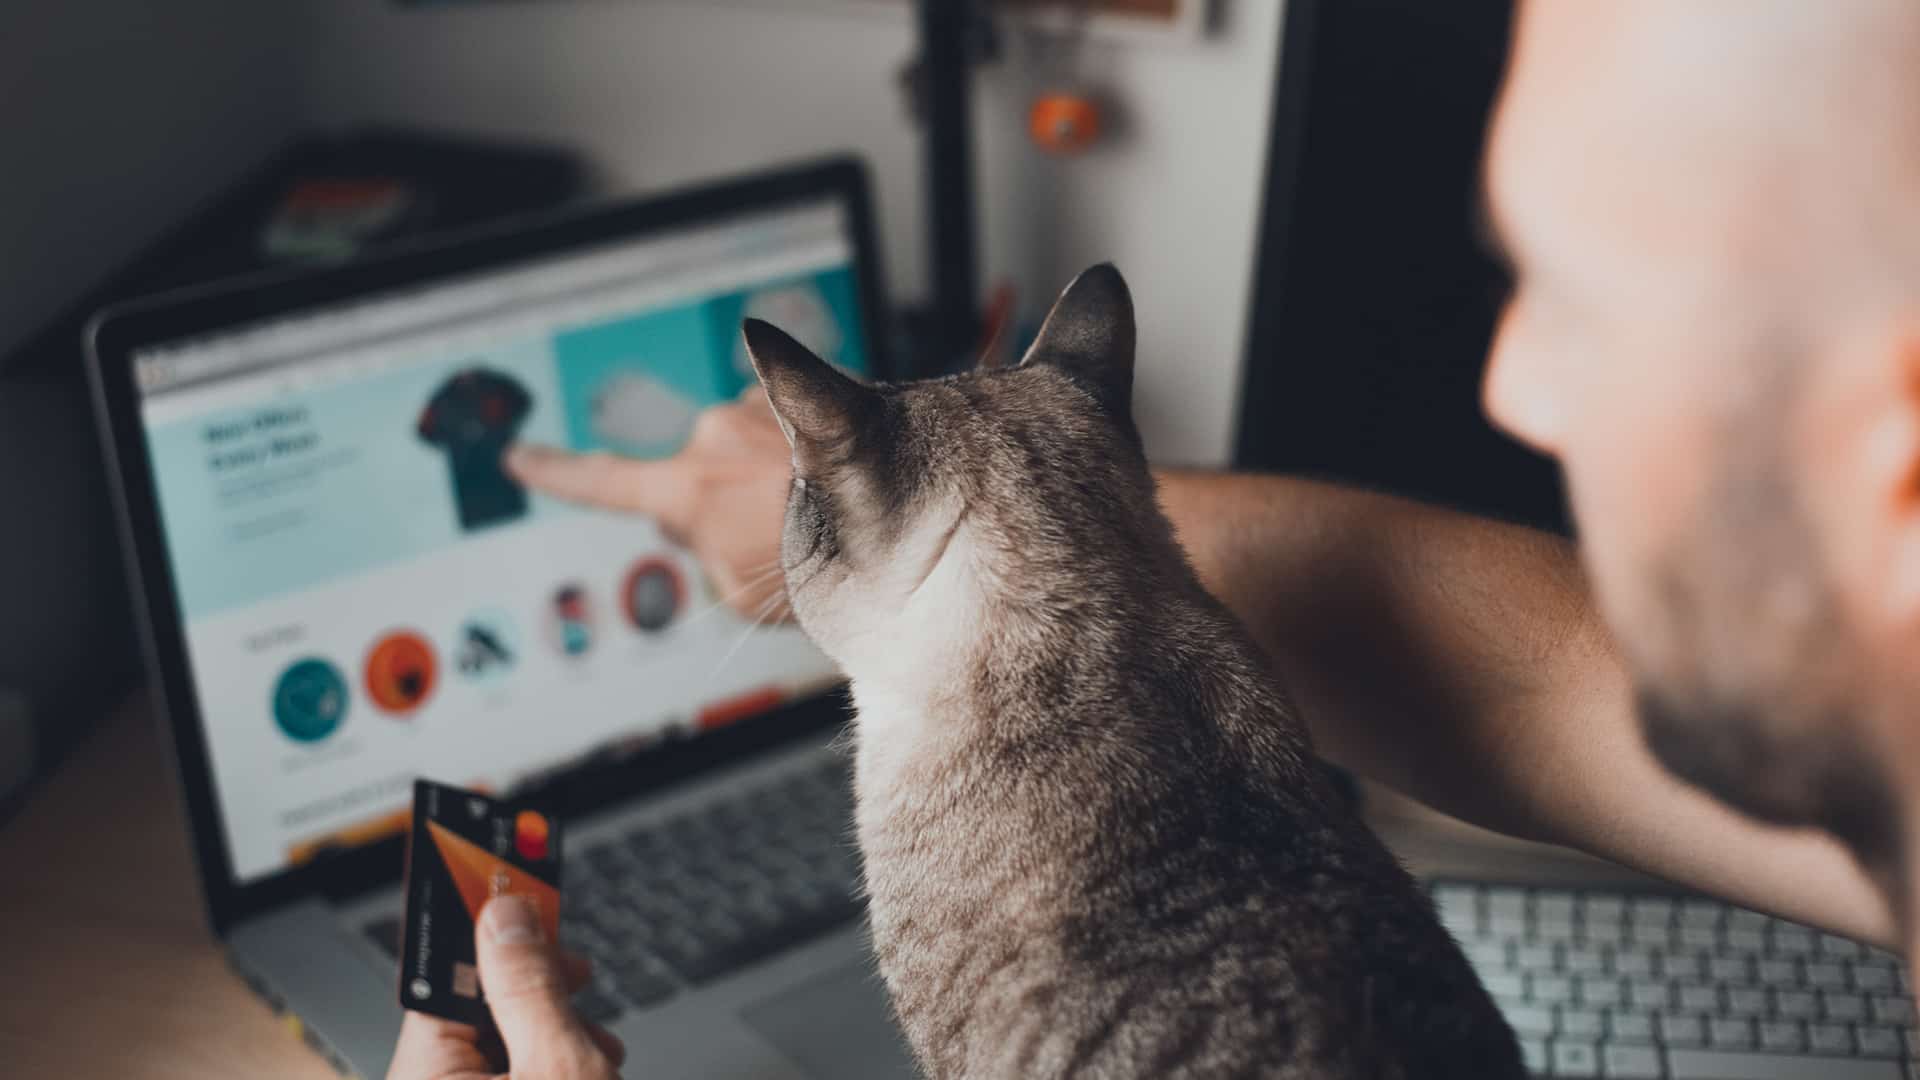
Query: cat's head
point(925, 515)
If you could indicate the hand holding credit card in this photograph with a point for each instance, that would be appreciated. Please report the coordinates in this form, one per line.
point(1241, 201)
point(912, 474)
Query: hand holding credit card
point(464, 849)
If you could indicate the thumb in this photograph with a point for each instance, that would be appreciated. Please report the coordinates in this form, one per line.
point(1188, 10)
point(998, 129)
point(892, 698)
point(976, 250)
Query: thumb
point(526, 990)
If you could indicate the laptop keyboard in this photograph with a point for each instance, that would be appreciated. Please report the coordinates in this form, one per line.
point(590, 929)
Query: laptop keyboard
point(688, 899)
point(1610, 984)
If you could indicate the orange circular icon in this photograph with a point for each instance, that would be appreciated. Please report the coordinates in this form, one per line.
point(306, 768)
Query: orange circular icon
point(401, 671)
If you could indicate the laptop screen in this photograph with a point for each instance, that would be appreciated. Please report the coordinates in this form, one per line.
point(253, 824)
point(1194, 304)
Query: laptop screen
point(367, 595)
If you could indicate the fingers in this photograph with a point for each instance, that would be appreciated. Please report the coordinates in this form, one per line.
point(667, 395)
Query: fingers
point(659, 489)
point(527, 989)
point(434, 1049)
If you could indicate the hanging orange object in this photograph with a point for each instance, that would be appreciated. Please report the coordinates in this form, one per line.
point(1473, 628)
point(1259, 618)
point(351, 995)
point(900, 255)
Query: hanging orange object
point(1064, 123)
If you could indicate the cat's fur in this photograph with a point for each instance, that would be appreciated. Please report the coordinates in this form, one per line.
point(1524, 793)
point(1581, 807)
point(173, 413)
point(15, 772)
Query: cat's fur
point(1096, 840)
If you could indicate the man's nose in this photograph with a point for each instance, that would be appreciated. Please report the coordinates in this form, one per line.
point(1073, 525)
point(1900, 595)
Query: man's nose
point(1519, 392)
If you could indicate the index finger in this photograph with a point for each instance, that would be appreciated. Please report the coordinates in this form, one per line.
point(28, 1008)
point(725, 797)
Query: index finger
point(659, 489)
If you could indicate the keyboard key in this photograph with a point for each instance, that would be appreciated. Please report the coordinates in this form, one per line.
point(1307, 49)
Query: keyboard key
point(1707, 913)
point(1529, 1019)
point(1459, 907)
point(1791, 940)
point(1826, 975)
point(1879, 1042)
point(1746, 1001)
point(1699, 938)
point(1630, 1062)
point(1634, 963)
point(1601, 910)
point(1753, 942)
point(1731, 968)
point(1507, 902)
point(1797, 1004)
point(1720, 1065)
point(1896, 1011)
point(1872, 978)
point(1575, 1058)
point(1587, 1024)
point(1830, 1038)
point(1731, 1034)
point(1682, 963)
point(1842, 1006)
point(1583, 960)
point(1700, 999)
point(1533, 1054)
point(1597, 990)
point(1784, 1036)
point(1505, 985)
point(1487, 956)
point(1650, 911)
point(1742, 919)
point(1535, 958)
point(1647, 994)
point(1629, 1026)
point(1553, 905)
point(1678, 1029)
point(1779, 971)
point(1551, 989)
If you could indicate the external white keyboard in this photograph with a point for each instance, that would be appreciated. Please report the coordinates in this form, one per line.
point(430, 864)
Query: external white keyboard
point(1612, 984)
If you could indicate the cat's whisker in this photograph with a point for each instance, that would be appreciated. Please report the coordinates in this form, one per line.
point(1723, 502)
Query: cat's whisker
point(760, 616)
point(760, 577)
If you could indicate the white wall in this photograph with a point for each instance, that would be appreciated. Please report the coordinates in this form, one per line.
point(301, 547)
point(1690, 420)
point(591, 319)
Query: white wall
point(662, 93)
point(119, 116)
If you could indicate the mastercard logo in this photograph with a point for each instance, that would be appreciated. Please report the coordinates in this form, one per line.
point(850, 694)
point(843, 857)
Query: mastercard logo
point(401, 672)
point(530, 833)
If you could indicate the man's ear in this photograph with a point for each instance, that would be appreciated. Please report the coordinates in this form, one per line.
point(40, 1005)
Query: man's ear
point(1090, 334)
point(816, 404)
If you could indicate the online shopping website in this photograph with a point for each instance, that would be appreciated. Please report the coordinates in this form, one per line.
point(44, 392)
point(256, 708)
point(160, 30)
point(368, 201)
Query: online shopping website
point(368, 596)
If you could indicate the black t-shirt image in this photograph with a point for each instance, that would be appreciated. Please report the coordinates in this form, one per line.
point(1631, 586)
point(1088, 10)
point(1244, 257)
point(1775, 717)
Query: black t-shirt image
point(473, 417)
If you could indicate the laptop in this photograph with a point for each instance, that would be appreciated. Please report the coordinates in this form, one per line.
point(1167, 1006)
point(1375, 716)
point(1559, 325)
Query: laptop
point(341, 589)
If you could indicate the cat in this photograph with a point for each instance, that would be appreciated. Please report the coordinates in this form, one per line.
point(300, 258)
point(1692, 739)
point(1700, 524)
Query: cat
point(1096, 841)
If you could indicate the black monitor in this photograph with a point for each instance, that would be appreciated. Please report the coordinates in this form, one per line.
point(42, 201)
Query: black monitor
point(1374, 300)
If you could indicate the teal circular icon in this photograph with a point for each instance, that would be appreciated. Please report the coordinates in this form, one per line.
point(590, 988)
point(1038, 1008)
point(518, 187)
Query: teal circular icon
point(310, 700)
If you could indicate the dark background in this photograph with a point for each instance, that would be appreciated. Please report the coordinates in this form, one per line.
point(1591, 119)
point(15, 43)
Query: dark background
point(1374, 300)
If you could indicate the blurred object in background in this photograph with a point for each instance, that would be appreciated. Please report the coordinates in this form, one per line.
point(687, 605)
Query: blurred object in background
point(1374, 298)
point(17, 756)
point(66, 643)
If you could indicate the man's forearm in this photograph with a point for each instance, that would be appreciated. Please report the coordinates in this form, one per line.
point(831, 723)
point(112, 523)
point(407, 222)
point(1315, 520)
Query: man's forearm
point(1460, 661)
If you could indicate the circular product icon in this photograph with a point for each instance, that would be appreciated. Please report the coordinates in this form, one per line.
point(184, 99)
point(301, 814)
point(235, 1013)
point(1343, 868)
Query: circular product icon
point(421, 989)
point(652, 594)
point(309, 700)
point(486, 646)
point(401, 671)
point(570, 621)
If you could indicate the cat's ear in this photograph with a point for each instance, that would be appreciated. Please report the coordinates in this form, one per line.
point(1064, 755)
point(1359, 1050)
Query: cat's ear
point(816, 404)
point(1090, 334)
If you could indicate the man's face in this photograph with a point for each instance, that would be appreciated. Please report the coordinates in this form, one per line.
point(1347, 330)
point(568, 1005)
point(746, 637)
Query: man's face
point(1646, 347)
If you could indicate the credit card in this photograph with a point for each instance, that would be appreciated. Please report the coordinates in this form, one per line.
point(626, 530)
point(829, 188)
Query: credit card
point(464, 849)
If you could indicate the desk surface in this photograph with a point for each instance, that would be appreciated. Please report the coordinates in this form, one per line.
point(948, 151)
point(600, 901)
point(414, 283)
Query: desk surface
point(113, 973)
point(112, 970)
